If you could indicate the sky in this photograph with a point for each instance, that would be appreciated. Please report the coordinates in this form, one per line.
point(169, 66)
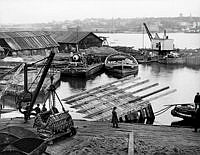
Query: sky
point(40, 11)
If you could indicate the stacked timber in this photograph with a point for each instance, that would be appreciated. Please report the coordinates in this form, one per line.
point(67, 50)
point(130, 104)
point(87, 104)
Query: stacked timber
point(97, 103)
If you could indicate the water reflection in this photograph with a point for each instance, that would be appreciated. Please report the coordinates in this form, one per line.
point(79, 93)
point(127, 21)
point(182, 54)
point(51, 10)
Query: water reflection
point(77, 83)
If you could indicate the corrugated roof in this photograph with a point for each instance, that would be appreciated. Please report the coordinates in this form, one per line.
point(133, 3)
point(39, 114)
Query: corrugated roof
point(23, 40)
point(71, 37)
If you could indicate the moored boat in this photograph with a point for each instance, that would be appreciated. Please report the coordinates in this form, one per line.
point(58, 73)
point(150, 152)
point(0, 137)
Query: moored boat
point(184, 111)
point(121, 65)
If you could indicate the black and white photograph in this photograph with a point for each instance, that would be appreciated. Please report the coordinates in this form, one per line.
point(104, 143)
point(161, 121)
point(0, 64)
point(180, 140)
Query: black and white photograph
point(99, 77)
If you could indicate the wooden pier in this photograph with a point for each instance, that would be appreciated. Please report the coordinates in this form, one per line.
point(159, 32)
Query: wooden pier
point(97, 103)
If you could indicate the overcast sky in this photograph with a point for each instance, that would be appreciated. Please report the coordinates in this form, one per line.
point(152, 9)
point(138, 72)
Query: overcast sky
point(31, 11)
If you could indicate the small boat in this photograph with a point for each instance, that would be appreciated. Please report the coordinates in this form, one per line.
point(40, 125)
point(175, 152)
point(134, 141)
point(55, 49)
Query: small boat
point(184, 111)
point(79, 67)
point(121, 65)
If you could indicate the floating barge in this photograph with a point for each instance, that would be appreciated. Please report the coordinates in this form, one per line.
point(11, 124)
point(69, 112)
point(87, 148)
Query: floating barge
point(12, 84)
point(79, 66)
point(83, 71)
point(97, 103)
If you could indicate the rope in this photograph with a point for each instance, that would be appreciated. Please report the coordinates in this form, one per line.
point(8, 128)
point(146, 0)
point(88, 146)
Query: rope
point(157, 113)
point(36, 76)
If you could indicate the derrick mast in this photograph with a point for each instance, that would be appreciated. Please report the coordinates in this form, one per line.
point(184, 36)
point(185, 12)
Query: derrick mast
point(163, 45)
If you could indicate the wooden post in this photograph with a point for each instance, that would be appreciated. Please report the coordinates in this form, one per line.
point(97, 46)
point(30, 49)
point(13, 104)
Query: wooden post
point(131, 144)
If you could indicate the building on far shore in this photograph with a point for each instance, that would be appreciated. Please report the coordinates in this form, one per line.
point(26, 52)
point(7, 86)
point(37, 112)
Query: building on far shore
point(70, 40)
point(27, 43)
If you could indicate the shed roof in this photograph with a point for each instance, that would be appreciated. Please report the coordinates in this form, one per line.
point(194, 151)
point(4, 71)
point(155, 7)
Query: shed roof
point(72, 37)
point(23, 40)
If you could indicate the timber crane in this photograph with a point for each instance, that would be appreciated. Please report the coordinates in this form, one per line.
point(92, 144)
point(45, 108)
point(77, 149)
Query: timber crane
point(163, 45)
point(28, 97)
point(51, 122)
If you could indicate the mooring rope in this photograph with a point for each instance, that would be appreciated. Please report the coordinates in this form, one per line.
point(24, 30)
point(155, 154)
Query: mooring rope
point(159, 112)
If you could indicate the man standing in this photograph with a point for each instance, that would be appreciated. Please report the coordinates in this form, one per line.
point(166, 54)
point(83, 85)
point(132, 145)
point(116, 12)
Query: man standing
point(114, 118)
point(37, 109)
point(197, 119)
point(197, 101)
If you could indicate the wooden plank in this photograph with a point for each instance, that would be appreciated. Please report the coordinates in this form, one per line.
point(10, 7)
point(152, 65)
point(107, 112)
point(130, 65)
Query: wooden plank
point(109, 93)
point(102, 86)
point(131, 144)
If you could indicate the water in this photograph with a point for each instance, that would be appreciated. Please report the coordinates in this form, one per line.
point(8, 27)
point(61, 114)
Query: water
point(181, 40)
point(185, 79)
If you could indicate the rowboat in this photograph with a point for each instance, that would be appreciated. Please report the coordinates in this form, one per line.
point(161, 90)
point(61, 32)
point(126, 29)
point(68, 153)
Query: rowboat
point(121, 65)
point(184, 111)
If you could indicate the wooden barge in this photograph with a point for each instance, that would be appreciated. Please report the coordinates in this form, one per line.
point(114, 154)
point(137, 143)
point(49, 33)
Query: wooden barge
point(82, 71)
point(12, 84)
point(97, 103)
point(79, 66)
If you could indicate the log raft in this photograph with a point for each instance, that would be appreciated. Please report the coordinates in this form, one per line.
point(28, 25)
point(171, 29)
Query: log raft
point(127, 94)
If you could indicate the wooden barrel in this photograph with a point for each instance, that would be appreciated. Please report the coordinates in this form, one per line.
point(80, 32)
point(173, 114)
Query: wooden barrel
point(141, 116)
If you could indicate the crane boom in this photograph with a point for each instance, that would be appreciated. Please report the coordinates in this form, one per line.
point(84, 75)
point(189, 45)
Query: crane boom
point(45, 71)
point(148, 32)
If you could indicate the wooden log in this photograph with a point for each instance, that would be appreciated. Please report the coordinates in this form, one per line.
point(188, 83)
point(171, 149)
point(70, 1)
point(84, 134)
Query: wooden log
point(147, 95)
point(95, 91)
point(109, 93)
point(130, 101)
point(99, 87)
point(93, 106)
point(121, 113)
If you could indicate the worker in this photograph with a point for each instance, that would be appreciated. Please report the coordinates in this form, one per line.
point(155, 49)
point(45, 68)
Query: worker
point(44, 109)
point(197, 100)
point(55, 110)
point(197, 119)
point(114, 118)
point(37, 109)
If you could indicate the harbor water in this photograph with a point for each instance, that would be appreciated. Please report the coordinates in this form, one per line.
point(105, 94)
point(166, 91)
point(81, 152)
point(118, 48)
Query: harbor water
point(186, 80)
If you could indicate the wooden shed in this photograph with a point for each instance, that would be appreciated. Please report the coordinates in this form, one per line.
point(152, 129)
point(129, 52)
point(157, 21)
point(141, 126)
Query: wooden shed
point(69, 40)
point(27, 43)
